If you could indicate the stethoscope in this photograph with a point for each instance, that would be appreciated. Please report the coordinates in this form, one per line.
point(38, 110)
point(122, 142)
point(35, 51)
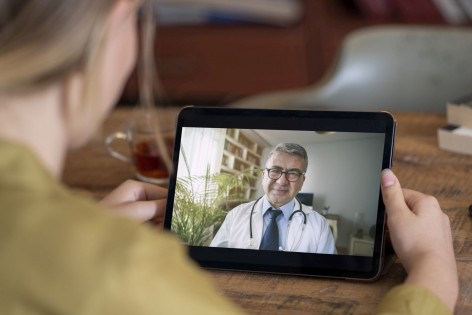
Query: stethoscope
point(299, 233)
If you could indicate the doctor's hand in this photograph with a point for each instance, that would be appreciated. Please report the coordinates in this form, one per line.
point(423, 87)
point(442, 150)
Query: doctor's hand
point(139, 201)
point(421, 236)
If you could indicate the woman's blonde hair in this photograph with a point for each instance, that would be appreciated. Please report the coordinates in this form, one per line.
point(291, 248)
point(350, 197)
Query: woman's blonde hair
point(42, 41)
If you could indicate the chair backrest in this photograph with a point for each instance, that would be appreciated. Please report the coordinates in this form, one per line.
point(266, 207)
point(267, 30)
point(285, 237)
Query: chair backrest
point(397, 68)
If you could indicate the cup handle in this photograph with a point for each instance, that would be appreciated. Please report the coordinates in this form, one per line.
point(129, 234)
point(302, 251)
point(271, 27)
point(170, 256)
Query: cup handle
point(109, 145)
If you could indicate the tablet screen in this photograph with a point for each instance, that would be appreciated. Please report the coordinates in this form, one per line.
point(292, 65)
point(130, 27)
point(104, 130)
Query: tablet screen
point(281, 191)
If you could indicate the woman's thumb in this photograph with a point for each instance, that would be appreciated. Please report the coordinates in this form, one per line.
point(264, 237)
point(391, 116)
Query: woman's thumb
point(391, 191)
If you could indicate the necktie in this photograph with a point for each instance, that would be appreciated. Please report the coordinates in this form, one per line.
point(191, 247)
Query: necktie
point(270, 239)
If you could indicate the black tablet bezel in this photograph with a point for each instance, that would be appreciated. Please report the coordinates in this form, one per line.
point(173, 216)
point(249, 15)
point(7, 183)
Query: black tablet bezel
point(321, 265)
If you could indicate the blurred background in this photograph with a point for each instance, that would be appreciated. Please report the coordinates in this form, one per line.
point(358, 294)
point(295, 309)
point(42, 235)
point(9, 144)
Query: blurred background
point(214, 52)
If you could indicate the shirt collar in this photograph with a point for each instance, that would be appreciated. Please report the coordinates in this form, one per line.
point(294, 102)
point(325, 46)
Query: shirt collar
point(287, 208)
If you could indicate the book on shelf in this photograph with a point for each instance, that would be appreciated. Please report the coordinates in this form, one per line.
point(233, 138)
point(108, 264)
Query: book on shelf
point(269, 12)
point(456, 136)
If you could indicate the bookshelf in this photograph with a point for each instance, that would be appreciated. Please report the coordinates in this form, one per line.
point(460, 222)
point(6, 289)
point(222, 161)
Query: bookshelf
point(242, 152)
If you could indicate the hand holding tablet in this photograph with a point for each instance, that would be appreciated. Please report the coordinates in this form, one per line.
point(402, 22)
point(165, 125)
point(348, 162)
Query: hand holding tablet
point(421, 235)
point(345, 153)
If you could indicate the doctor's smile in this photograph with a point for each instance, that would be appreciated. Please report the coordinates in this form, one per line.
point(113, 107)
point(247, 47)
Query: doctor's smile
point(278, 190)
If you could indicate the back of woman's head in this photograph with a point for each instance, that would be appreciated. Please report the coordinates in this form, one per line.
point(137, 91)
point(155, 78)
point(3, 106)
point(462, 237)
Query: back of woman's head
point(42, 41)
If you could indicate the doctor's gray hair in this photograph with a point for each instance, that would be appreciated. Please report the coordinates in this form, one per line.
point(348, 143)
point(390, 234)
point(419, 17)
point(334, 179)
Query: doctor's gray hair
point(291, 148)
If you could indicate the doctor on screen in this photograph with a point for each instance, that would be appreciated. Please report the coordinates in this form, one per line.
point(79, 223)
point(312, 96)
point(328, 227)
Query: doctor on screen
point(277, 220)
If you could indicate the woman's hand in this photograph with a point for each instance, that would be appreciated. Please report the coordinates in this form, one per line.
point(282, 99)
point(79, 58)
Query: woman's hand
point(138, 200)
point(421, 236)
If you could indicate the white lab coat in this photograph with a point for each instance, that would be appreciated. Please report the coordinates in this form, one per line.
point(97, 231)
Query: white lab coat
point(235, 230)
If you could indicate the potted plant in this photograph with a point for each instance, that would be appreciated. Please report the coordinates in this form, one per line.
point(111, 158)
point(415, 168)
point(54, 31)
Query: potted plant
point(198, 213)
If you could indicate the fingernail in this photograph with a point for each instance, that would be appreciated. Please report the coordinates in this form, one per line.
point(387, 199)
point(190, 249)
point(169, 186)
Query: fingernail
point(388, 178)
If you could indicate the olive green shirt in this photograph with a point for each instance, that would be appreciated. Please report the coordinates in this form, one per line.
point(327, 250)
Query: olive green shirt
point(62, 254)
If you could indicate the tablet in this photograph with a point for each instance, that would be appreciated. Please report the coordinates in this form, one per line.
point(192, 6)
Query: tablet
point(242, 176)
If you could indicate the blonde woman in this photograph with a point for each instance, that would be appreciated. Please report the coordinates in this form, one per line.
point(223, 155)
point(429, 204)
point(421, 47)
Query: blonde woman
point(63, 64)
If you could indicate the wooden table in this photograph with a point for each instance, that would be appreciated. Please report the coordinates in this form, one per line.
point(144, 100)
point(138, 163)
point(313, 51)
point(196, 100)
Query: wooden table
point(419, 164)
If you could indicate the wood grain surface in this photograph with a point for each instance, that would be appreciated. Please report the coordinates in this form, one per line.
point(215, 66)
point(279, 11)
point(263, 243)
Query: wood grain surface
point(419, 164)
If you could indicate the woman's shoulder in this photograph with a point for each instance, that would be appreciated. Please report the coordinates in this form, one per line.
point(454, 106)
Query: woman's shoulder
point(76, 255)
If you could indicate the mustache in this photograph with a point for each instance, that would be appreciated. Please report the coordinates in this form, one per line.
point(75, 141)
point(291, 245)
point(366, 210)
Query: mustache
point(280, 187)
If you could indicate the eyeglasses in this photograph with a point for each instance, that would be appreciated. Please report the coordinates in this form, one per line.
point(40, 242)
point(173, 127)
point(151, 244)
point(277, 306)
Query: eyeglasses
point(291, 176)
